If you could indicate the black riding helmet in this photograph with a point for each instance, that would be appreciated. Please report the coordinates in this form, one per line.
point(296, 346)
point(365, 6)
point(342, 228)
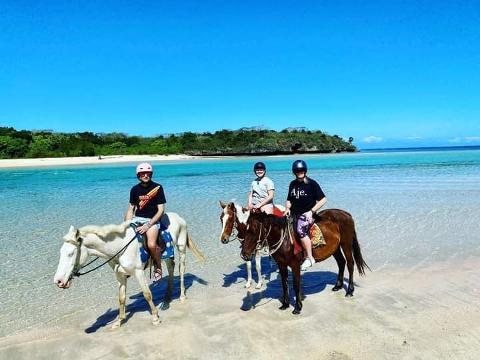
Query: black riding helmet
point(299, 165)
point(259, 166)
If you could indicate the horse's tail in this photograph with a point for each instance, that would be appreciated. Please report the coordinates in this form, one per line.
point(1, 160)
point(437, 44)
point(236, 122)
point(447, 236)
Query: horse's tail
point(191, 245)
point(357, 255)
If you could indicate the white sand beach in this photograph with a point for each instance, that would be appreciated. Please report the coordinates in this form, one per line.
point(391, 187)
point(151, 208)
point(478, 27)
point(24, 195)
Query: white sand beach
point(416, 313)
point(88, 160)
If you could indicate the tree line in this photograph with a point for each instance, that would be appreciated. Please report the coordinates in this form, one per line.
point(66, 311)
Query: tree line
point(247, 141)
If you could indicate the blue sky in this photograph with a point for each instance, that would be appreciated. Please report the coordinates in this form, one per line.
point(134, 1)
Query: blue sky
point(396, 73)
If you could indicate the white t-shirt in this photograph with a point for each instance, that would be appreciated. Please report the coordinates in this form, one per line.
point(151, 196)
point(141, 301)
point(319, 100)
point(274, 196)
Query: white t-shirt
point(260, 188)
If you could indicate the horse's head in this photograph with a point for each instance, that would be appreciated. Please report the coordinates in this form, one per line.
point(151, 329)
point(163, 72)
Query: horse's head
point(230, 216)
point(73, 255)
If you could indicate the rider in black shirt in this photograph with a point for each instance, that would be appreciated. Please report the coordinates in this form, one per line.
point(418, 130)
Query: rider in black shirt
point(147, 205)
point(305, 197)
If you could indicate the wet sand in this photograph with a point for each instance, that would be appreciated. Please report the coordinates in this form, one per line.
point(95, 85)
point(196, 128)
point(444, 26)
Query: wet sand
point(428, 312)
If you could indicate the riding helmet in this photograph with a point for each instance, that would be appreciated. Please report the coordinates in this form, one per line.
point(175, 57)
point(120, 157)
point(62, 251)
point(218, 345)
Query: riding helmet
point(144, 167)
point(259, 166)
point(299, 165)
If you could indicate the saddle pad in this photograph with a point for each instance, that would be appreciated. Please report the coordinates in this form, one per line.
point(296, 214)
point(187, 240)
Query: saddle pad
point(316, 236)
point(277, 212)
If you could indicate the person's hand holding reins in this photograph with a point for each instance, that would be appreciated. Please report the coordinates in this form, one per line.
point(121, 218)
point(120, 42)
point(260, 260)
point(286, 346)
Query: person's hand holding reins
point(286, 213)
point(144, 228)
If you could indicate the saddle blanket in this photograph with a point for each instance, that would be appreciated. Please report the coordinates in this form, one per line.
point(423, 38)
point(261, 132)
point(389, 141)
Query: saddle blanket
point(167, 238)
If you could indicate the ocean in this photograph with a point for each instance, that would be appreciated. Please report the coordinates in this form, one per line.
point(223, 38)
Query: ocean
point(411, 208)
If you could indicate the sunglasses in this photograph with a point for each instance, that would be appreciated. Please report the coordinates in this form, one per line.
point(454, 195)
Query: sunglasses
point(145, 173)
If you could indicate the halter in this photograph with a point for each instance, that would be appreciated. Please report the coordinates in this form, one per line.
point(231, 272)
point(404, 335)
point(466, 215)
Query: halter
point(263, 244)
point(76, 266)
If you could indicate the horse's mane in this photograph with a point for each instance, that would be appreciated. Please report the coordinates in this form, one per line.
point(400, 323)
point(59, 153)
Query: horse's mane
point(105, 230)
point(256, 220)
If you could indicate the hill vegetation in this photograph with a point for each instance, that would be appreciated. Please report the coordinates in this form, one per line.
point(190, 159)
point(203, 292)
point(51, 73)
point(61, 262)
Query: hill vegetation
point(247, 141)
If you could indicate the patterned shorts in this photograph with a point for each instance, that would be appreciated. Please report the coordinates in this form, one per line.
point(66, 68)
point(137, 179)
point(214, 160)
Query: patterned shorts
point(302, 225)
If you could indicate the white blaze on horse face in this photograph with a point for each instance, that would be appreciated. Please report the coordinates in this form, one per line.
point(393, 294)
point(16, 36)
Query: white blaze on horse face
point(241, 215)
point(66, 263)
point(225, 219)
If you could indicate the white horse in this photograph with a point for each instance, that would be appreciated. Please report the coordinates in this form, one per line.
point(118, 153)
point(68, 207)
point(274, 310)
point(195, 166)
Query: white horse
point(107, 242)
point(235, 216)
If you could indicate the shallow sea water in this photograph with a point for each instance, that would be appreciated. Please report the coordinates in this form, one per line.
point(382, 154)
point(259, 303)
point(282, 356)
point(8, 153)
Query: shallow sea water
point(410, 208)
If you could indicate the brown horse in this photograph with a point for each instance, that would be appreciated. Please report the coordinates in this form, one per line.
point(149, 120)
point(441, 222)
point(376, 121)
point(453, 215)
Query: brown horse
point(338, 229)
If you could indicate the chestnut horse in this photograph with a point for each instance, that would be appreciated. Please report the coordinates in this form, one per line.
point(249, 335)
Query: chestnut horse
point(338, 229)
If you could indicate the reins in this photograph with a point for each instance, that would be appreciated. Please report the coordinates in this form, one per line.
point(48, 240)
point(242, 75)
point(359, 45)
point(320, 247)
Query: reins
point(77, 273)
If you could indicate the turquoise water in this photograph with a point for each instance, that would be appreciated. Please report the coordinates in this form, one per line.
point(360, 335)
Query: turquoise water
point(410, 208)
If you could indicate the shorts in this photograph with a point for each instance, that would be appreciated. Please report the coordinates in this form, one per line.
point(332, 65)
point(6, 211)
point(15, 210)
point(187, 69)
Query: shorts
point(143, 220)
point(302, 225)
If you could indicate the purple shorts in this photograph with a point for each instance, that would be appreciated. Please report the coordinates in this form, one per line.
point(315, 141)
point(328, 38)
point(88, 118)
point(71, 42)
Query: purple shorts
point(302, 225)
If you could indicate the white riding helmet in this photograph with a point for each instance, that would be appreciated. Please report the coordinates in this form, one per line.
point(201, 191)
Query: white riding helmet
point(144, 167)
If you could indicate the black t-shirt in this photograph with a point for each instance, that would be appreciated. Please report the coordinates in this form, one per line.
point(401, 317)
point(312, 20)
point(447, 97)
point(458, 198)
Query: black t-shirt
point(146, 199)
point(303, 196)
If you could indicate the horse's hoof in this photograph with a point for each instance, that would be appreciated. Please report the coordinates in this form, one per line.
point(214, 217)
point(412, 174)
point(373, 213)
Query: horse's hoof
point(248, 284)
point(165, 305)
point(337, 287)
point(116, 324)
point(284, 307)
point(296, 311)
point(156, 321)
point(182, 298)
point(259, 286)
point(349, 294)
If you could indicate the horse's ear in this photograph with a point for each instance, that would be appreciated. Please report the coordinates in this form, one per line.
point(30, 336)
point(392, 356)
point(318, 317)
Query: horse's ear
point(72, 229)
point(222, 204)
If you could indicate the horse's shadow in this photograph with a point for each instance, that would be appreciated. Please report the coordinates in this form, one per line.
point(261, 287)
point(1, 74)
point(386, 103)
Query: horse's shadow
point(268, 268)
point(313, 282)
point(140, 305)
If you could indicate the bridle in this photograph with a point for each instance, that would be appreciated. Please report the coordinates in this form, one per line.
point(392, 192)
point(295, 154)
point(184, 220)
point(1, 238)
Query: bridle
point(76, 266)
point(263, 243)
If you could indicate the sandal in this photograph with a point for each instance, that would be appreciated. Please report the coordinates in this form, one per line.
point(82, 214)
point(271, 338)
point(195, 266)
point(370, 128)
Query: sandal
point(157, 274)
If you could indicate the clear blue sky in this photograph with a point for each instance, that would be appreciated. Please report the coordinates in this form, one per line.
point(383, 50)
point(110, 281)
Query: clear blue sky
point(388, 73)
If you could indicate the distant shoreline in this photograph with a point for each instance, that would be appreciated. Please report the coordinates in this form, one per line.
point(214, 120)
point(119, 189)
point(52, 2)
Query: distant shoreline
point(88, 160)
point(119, 159)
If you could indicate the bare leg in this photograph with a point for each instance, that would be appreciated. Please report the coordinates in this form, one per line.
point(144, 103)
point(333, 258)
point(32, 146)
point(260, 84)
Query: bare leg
point(147, 294)
point(152, 235)
point(122, 296)
point(307, 245)
point(258, 265)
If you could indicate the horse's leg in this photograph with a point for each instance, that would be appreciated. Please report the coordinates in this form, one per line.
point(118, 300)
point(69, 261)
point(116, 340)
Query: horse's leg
point(182, 249)
point(347, 250)
point(341, 269)
point(122, 296)
point(258, 265)
point(147, 294)
point(297, 285)
point(284, 275)
point(171, 268)
point(248, 263)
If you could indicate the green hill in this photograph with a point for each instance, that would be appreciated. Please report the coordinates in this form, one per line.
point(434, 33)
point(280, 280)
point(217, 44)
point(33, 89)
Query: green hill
point(247, 141)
